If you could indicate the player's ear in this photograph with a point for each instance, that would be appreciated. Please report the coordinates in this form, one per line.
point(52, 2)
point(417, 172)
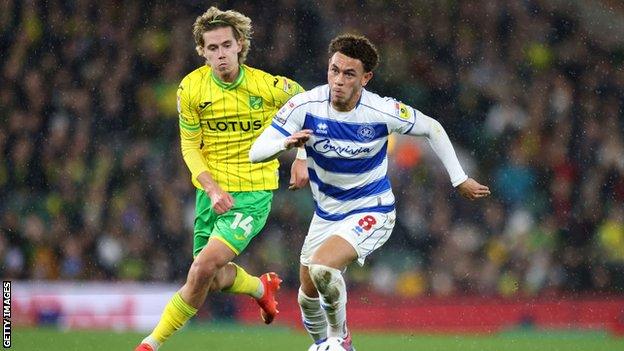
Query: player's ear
point(240, 45)
point(366, 77)
point(204, 53)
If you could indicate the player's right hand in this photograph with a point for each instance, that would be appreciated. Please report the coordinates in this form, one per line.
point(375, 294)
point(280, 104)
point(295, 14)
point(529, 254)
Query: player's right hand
point(472, 190)
point(298, 139)
point(220, 200)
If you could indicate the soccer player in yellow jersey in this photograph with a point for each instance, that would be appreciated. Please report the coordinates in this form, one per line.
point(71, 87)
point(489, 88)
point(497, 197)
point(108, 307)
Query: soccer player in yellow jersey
point(223, 107)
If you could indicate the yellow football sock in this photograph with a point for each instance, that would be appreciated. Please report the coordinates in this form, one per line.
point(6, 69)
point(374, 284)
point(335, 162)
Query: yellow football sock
point(176, 313)
point(245, 283)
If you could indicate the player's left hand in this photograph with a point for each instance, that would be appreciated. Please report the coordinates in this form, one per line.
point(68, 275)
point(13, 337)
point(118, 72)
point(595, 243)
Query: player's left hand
point(471, 189)
point(298, 174)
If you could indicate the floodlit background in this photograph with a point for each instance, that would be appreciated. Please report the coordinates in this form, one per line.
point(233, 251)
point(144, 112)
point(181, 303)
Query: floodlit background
point(95, 200)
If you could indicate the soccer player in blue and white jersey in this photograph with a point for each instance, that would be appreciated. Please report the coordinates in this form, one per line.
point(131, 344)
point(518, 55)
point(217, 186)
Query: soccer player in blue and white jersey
point(345, 131)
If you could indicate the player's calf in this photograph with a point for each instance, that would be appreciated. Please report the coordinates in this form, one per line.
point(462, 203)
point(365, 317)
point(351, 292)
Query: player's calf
point(312, 316)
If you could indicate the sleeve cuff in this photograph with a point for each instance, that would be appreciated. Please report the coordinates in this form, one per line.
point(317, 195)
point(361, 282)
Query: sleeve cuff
point(301, 154)
point(459, 180)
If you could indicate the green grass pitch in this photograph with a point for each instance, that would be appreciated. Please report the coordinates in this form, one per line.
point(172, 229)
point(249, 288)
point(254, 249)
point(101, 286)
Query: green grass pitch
point(231, 337)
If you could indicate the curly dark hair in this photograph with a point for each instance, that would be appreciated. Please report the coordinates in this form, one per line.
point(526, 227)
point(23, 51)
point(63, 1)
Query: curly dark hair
point(357, 47)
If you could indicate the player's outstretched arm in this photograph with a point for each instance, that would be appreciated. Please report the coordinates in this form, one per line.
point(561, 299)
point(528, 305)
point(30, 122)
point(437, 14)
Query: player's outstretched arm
point(472, 190)
point(271, 143)
point(441, 145)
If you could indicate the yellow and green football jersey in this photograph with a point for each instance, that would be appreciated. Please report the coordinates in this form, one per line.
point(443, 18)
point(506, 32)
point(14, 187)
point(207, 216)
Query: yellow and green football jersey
point(219, 122)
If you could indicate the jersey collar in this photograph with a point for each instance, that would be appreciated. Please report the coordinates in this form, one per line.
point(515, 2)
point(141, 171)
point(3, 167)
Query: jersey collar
point(234, 84)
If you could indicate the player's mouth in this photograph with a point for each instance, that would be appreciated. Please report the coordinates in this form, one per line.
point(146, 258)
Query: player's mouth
point(338, 93)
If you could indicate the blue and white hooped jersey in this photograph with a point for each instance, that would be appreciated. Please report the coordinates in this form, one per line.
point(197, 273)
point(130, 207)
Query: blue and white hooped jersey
point(347, 152)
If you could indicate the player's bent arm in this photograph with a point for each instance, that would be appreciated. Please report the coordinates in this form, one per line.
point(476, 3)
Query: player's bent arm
point(220, 200)
point(299, 176)
point(269, 145)
point(207, 182)
point(441, 145)
point(190, 130)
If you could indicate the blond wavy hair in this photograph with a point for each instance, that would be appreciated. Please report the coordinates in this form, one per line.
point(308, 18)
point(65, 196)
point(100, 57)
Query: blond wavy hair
point(214, 18)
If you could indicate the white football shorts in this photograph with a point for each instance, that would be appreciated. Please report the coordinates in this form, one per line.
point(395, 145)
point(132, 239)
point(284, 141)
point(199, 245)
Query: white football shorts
point(366, 232)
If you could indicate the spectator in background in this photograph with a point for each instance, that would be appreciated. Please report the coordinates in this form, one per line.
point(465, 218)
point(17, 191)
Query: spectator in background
point(83, 87)
point(611, 244)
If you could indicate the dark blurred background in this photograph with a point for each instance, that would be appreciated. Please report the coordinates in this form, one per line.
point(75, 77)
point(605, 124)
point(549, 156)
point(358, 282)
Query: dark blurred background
point(93, 186)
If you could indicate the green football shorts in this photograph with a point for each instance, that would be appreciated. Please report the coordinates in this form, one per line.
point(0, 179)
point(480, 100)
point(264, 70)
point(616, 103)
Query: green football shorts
point(236, 227)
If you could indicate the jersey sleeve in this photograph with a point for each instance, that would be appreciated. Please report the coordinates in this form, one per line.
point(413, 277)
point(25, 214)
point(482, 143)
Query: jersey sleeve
point(190, 130)
point(404, 119)
point(289, 119)
point(283, 89)
point(400, 117)
point(431, 129)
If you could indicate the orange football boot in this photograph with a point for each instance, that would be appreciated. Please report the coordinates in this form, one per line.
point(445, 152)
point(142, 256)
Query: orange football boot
point(268, 306)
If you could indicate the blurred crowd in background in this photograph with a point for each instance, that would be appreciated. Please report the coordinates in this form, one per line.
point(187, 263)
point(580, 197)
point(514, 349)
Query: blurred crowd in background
point(93, 186)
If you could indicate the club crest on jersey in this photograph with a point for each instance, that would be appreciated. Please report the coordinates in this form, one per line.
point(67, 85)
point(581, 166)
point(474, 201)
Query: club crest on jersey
point(401, 110)
point(366, 133)
point(255, 102)
point(321, 128)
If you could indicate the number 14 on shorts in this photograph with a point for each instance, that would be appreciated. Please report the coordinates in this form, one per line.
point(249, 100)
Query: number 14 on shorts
point(243, 223)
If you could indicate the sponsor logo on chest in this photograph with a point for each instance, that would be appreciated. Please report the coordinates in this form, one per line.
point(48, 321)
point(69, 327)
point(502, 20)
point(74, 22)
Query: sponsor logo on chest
point(328, 146)
point(233, 126)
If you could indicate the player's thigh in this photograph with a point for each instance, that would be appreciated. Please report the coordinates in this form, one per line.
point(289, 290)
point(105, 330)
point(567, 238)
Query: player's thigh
point(322, 246)
point(364, 232)
point(368, 231)
point(234, 228)
point(215, 253)
point(317, 233)
point(205, 218)
point(238, 226)
point(335, 252)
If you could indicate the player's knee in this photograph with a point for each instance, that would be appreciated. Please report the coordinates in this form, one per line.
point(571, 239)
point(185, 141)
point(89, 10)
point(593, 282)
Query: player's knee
point(202, 272)
point(322, 275)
